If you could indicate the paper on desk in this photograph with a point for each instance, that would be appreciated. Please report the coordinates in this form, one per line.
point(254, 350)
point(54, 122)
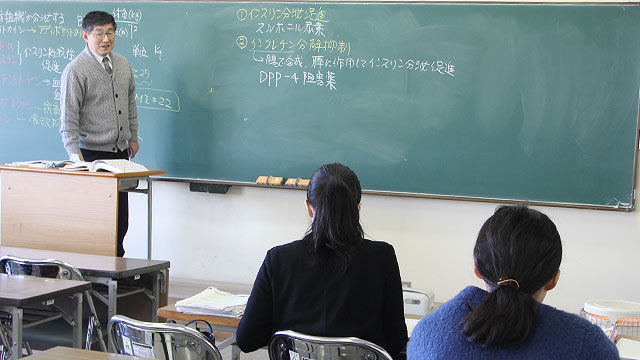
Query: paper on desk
point(628, 348)
point(42, 164)
point(213, 301)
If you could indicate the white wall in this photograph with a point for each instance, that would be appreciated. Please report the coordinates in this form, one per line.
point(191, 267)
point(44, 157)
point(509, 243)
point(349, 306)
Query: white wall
point(225, 237)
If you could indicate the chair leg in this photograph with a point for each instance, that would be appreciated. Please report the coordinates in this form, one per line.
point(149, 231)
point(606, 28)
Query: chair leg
point(5, 345)
point(88, 340)
point(94, 325)
point(27, 347)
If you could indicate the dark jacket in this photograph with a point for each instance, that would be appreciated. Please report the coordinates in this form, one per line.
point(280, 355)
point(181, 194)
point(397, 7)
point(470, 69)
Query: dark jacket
point(297, 290)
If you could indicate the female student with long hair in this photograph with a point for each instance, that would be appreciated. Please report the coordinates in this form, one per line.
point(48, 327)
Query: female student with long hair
point(333, 282)
point(517, 255)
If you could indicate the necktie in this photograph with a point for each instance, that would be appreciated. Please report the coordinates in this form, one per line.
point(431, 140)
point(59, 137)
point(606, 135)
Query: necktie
point(107, 65)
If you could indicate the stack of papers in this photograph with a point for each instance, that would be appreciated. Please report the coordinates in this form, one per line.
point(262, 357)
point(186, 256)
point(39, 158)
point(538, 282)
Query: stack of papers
point(214, 302)
point(42, 164)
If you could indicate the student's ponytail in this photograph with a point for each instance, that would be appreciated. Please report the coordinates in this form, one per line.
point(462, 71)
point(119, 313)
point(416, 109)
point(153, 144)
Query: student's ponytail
point(518, 251)
point(334, 194)
point(505, 317)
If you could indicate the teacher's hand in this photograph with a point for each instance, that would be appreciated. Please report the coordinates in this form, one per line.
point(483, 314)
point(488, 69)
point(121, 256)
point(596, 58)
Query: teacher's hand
point(133, 149)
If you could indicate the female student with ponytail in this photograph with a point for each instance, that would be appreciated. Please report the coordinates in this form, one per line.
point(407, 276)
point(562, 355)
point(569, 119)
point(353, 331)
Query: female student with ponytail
point(333, 282)
point(517, 255)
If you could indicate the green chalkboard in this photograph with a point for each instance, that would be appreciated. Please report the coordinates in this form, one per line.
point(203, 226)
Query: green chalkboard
point(533, 102)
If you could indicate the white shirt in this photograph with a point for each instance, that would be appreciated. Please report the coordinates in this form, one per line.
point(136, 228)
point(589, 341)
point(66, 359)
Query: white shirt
point(99, 58)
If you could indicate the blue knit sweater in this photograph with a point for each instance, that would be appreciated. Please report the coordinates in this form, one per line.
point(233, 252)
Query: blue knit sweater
point(557, 335)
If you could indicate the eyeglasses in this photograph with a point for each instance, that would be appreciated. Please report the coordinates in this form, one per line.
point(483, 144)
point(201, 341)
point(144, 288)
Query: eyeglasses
point(100, 35)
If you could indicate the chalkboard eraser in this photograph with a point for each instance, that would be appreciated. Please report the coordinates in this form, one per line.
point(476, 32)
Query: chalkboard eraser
point(275, 180)
point(262, 180)
point(303, 182)
point(291, 182)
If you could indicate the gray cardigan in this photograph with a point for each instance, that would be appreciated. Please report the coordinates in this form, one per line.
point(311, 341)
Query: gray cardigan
point(97, 111)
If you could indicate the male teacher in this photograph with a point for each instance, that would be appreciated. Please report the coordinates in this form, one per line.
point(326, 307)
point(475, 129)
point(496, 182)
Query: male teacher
point(98, 112)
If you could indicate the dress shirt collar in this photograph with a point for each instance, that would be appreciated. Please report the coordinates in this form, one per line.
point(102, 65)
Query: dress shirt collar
point(99, 57)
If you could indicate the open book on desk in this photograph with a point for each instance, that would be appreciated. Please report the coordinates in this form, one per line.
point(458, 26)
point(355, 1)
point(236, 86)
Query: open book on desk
point(111, 165)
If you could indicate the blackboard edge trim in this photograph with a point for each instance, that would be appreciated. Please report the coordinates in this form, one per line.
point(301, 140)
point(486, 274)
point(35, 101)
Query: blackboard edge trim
point(628, 208)
point(371, 2)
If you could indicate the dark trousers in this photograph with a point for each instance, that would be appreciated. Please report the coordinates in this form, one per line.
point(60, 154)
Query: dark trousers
point(123, 197)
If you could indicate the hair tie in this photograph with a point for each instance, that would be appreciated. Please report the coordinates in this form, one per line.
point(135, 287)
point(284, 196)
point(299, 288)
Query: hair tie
point(507, 281)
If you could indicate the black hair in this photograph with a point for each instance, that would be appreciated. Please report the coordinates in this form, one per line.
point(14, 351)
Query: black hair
point(97, 18)
point(334, 194)
point(514, 243)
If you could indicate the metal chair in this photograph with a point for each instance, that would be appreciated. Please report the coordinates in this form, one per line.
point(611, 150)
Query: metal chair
point(290, 345)
point(160, 340)
point(417, 304)
point(56, 269)
point(5, 343)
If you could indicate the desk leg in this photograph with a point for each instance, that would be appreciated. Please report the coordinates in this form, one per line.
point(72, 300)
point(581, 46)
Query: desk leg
point(113, 297)
point(155, 290)
point(77, 321)
point(16, 322)
point(149, 222)
point(235, 352)
point(112, 306)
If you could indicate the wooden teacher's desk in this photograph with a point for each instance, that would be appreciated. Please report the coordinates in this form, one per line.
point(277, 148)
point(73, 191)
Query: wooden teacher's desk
point(18, 291)
point(110, 270)
point(75, 211)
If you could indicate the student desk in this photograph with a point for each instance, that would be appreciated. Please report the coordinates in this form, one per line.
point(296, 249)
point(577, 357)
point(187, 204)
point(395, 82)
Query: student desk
point(17, 292)
point(220, 323)
point(109, 270)
point(66, 210)
point(65, 353)
point(230, 324)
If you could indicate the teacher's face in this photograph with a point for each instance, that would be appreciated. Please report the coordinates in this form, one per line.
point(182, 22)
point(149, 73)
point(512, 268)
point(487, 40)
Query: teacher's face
point(101, 39)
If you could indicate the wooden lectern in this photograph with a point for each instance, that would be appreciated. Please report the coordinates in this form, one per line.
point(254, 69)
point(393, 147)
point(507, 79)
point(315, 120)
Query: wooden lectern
point(65, 210)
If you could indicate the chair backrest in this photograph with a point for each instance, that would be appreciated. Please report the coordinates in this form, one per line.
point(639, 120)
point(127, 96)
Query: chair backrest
point(417, 303)
point(290, 345)
point(159, 340)
point(55, 269)
point(48, 268)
